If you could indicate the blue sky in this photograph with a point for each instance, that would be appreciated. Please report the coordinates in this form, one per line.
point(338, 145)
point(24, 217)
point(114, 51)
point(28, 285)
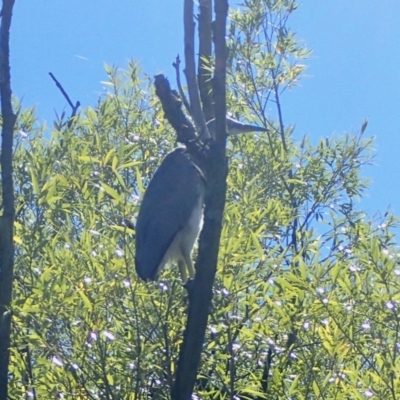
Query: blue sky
point(353, 72)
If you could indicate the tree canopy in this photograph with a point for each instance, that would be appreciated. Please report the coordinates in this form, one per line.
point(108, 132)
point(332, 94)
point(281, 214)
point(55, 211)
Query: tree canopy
point(306, 297)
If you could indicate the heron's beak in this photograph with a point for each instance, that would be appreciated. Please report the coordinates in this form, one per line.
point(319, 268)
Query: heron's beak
point(235, 127)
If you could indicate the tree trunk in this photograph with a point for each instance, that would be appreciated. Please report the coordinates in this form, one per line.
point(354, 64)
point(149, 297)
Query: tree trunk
point(8, 211)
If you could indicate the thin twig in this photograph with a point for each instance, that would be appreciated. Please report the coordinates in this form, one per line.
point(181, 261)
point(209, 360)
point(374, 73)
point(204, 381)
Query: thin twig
point(30, 371)
point(266, 371)
point(205, 48)
point(58, 84)
point(65, 94)
point(190, 72)
point(176, 65)
point(219, 80)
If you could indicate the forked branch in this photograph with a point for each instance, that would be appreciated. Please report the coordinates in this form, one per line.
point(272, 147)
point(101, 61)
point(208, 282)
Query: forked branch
point(190, 72)
point(215, 171)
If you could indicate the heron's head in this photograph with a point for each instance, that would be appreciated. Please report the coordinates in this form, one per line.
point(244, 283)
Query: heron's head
point(234, 127)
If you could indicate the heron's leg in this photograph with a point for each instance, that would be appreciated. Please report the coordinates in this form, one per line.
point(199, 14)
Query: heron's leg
point(182, 270)
point(189, 265)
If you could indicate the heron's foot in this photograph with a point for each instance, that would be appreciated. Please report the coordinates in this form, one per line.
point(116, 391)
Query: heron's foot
point(189, 286)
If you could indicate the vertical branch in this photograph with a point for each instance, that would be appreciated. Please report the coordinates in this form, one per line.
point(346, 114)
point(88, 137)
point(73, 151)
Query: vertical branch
point(200, 294)
point(190, 71)
point(204, 63)
point(7, 217)
point(219, 81)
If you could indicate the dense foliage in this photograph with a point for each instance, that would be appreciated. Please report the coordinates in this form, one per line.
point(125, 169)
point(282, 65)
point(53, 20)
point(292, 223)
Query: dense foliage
point(307, 292)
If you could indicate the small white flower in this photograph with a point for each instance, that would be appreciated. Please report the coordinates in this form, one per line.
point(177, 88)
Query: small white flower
point(131, 365)
point(366, 325)
point(354, 268)
point(119, 253)
point(390, 305)
point(213, 330)
point(108, 335)
point(56, 361)
point(236, 346)
point(224, 292)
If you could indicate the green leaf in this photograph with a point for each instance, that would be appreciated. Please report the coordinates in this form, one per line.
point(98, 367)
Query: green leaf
point(110, 191)
point(108, 156)
point(86, 301)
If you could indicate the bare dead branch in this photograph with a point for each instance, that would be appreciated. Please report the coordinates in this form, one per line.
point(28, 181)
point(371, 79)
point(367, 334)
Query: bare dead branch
point(176, 65)
point(7, 218)
point(65, 94)
point(190, 72)
point(219, 80)
point(58, 84)
point(172, 106)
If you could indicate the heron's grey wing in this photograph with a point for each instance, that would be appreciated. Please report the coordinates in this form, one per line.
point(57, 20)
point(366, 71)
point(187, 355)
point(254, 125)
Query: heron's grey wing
point(166, 207)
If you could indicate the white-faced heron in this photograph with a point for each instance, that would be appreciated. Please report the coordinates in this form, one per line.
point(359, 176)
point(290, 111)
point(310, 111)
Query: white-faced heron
point(170, 217)
point(171, 214)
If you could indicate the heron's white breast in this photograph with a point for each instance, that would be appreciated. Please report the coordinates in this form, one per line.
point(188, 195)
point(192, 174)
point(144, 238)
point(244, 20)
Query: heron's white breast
point(184, 240)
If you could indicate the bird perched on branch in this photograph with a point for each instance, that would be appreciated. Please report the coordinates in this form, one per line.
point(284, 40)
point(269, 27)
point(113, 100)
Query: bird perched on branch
point(171, 214)
point(170, 217)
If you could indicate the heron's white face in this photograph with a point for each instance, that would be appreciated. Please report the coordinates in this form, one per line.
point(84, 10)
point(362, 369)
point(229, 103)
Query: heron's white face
point(234, 127)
